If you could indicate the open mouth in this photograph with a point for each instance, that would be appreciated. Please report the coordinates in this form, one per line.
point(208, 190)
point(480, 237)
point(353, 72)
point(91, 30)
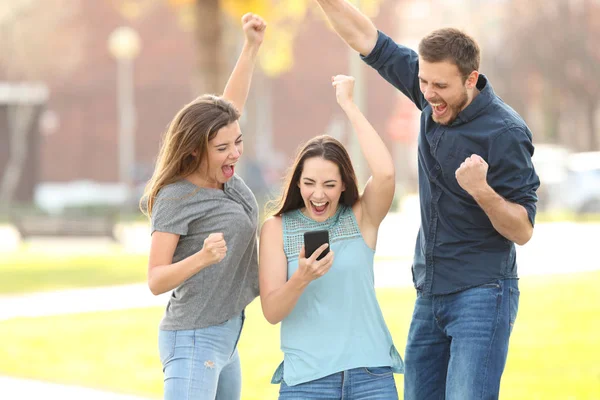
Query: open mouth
point(319, 208)
point(439, 109)
point(228, 170)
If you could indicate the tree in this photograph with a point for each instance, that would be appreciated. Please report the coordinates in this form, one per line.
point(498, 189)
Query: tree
point(285, 19)
point(27, 27)
point(553, 43)
point(211, 16)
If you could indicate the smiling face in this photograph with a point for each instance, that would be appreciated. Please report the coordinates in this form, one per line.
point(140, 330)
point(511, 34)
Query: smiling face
point(321, 187)
point(445, 89)
point(223, 152)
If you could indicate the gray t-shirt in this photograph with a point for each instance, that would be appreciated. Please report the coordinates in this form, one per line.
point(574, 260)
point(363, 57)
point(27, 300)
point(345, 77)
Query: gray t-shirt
point(221, 291)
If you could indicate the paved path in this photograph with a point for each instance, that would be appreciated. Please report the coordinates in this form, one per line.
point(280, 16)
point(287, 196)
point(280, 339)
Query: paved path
point(79, 301)
point(24, 389)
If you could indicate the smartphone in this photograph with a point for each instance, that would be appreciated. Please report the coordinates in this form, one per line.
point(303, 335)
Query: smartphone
point(313, 240)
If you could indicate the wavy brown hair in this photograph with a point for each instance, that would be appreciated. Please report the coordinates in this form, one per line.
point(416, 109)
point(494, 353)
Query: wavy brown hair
point(329, 149)
point(188, 133)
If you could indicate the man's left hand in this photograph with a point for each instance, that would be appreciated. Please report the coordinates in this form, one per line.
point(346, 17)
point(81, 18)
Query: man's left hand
point(472, 174)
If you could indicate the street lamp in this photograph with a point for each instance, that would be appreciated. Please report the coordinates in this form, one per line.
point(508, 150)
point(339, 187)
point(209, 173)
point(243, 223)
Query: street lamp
point(124, 44)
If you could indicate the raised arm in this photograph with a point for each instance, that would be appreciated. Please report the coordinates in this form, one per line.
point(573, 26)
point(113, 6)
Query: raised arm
point(379, 191)
point(354, 27)
point(396, 64)
point(238, 86)
point(278, 294)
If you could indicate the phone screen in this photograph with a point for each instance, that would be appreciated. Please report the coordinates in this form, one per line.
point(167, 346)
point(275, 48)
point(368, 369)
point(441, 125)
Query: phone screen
point(313, 240)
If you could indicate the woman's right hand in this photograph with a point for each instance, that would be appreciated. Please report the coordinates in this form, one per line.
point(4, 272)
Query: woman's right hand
point(310, 268)
point(344, 89)
point(214, 249)
point(254, 28)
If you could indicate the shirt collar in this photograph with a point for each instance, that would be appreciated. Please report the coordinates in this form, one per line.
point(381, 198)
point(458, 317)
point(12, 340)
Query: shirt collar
point(479, 103)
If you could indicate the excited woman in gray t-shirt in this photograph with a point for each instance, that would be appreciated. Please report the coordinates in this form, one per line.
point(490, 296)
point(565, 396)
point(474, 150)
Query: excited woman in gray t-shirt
point(204, 227)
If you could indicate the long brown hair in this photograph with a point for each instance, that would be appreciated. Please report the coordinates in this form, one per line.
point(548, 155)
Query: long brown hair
point(329, 149)
point(188, 133)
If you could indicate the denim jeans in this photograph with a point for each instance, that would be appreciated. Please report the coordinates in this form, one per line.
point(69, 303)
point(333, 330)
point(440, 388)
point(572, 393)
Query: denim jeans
point(355, 384)
point(458, 343)
point(202, 364)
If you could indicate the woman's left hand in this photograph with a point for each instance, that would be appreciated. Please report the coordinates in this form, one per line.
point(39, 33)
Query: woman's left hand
point(254, 28)
point(344, 89)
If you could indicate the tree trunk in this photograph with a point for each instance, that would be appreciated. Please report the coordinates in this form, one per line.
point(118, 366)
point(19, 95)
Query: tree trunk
point(592, 111)
point(19, 118)
point(552, 115)
point(209, 44)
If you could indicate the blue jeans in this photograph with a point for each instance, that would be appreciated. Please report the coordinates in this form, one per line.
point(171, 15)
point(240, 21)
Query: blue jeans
point(202, 364)
point(355, 384)
point(458, 343)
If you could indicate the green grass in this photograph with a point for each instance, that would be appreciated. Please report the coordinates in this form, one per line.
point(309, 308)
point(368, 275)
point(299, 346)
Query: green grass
point(27, 271)
point(566, 216)
point(555, 347)
point(30, 271)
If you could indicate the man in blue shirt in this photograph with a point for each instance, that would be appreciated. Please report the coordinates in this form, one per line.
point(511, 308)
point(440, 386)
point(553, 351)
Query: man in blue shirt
point(477, 189)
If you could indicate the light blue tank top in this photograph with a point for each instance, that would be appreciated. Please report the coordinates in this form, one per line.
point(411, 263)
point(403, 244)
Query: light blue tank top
point(337, 324)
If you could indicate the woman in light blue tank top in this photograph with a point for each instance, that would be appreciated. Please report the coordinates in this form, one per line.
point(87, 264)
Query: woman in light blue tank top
point(333, 336)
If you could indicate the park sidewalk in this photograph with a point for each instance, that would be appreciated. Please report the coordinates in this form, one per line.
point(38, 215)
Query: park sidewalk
point(554, 249)
point(24, 389)
point(394, 273)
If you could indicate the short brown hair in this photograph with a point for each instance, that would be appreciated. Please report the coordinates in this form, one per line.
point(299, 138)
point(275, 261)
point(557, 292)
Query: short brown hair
point(449, 44)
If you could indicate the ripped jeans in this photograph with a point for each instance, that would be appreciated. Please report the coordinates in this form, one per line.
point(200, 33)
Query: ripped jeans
point(202, 364)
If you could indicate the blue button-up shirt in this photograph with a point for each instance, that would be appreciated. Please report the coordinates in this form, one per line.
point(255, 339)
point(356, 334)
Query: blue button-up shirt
point(457, 246)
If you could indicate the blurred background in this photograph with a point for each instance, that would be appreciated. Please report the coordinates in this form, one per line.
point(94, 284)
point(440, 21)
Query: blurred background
point(87, 88)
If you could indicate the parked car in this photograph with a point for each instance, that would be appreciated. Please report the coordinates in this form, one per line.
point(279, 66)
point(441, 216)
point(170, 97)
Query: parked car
point(550, 162)
point(581, 189)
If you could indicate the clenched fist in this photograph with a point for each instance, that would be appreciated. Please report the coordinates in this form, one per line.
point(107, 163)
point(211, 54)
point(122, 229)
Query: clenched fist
point(344, 89)
point(254, 28)
point(472, 174)
point(214, 249)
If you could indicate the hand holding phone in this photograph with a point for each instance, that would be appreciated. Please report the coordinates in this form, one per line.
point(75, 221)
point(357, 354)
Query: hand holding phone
point(315, 259)
point(313, 240)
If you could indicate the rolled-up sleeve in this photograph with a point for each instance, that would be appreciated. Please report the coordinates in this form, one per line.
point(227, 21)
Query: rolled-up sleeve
point(511, 173)
point(398, 65)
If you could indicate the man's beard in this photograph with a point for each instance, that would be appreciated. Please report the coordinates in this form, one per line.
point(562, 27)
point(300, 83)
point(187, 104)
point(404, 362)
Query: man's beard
point(453, 109)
